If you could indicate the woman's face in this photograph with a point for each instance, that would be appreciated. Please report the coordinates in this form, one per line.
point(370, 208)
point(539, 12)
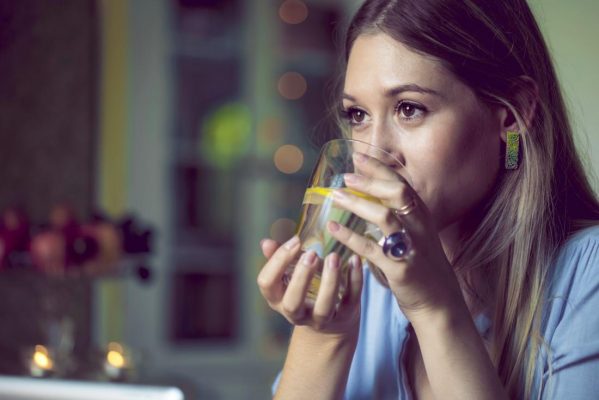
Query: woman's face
point(410, 105)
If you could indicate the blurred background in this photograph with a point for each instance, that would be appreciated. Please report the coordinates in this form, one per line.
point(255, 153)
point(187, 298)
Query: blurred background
point(146, 146)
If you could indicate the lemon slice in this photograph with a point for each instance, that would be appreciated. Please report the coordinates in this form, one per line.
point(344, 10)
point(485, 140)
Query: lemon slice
point(327, 191)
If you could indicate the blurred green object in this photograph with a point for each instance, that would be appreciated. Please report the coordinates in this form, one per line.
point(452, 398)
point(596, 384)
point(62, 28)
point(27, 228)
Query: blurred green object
point(226, 135)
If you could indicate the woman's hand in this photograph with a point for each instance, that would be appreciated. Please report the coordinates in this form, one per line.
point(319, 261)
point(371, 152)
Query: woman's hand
point(322, 315)
point(423, 281)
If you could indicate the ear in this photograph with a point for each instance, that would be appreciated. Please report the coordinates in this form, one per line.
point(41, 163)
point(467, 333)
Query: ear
point(519, 114)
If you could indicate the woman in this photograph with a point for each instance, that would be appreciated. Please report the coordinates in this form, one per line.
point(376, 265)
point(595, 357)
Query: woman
point(498, 296)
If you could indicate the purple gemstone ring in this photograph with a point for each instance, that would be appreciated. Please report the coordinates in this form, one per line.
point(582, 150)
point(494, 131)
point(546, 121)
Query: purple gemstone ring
point(398, 245)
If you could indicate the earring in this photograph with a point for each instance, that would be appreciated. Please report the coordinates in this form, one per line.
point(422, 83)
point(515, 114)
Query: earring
point(512, 149)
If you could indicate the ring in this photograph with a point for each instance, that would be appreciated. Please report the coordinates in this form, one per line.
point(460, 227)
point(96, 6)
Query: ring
point(405, 210)
point(397, 245)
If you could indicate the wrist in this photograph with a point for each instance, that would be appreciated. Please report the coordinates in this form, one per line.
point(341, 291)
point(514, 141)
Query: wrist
point(449, 317)
point(322, 339)
point(455, 355)
point(318, 361)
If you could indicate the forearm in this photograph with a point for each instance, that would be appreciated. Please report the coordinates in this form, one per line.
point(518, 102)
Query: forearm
point(316, 366)
point(457, 363)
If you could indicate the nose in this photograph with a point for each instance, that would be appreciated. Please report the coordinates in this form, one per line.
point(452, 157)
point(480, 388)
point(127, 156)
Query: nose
point(381, 136)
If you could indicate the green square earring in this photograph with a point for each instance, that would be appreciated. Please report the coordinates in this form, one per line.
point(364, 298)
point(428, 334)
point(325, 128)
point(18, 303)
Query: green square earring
point(512, 149)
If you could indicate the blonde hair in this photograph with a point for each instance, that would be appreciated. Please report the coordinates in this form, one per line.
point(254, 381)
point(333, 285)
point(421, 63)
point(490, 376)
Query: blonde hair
point(504, 265)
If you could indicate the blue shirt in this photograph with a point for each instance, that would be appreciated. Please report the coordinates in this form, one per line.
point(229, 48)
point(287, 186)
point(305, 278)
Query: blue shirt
point(570, 328)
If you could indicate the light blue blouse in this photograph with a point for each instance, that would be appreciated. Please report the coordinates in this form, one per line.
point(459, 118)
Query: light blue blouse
point(570, 329)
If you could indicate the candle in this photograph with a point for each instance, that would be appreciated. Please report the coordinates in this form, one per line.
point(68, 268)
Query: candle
point(41, 362)
point(115, 362)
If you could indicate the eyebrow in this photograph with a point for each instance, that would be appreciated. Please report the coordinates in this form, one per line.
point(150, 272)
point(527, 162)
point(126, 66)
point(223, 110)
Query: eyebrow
point(392, 92)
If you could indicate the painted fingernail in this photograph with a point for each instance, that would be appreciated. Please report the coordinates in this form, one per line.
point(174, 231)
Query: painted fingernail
point(333, 261)
point(340, 195)
point(291, 243)
point(333, 226)
point(351, 178)
point(309, 257)
point(354, 261)
point(360, 157)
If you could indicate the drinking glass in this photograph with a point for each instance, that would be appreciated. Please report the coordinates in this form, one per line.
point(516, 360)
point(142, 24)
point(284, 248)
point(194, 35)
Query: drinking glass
point(336, 159)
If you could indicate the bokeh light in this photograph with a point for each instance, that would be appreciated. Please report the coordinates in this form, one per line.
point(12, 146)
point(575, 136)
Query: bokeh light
point(293, 12)
point(41, 358)
point(270, 130)
point(282, 229)
point(115, 359)
point(289, 159)
point(292, 85)
point(226, 135)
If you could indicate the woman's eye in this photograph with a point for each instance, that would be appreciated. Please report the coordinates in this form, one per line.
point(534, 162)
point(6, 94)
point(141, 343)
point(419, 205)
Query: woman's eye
point(410, 111)
point(354, 116)
point(357, 116)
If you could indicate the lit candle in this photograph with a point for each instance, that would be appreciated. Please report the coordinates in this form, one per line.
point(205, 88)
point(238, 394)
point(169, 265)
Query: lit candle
point(115, 363)
point(41, 362)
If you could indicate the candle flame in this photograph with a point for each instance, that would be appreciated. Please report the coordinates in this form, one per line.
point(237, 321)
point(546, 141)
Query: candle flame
point(41, 358)
point(115, 359)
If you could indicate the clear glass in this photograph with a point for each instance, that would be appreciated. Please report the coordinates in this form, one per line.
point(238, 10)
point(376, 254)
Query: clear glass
point(336, 159)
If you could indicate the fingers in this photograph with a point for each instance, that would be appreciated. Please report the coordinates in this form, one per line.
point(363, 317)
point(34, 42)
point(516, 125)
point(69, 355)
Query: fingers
point(372, 167)
point(355, 281)
point(395, 195)
point(268, 247)
point(394, 190)
point(294, 300)
point(311, 295)
point(357, 243)
point(326, 300)
point(270, 278)
point(376, 213)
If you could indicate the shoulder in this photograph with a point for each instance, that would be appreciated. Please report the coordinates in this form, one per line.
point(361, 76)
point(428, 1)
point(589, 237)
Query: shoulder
point(577, 262)
point(570, 355)
point(583, 239)
point(573, 295)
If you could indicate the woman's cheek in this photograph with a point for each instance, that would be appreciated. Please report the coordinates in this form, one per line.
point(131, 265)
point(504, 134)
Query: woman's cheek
point(430, 189)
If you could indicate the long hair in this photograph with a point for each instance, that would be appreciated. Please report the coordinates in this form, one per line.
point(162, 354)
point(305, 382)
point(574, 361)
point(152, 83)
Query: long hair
point(490, 46)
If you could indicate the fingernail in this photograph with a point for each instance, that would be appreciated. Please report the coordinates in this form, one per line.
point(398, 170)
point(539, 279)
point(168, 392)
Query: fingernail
point(360, 157)
point(351, 178)
point(333, 226)
point(354, 261)
point(309, 257)
point(262, 242)
point(333, 262)
point(339, 195)
point(291, 243)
